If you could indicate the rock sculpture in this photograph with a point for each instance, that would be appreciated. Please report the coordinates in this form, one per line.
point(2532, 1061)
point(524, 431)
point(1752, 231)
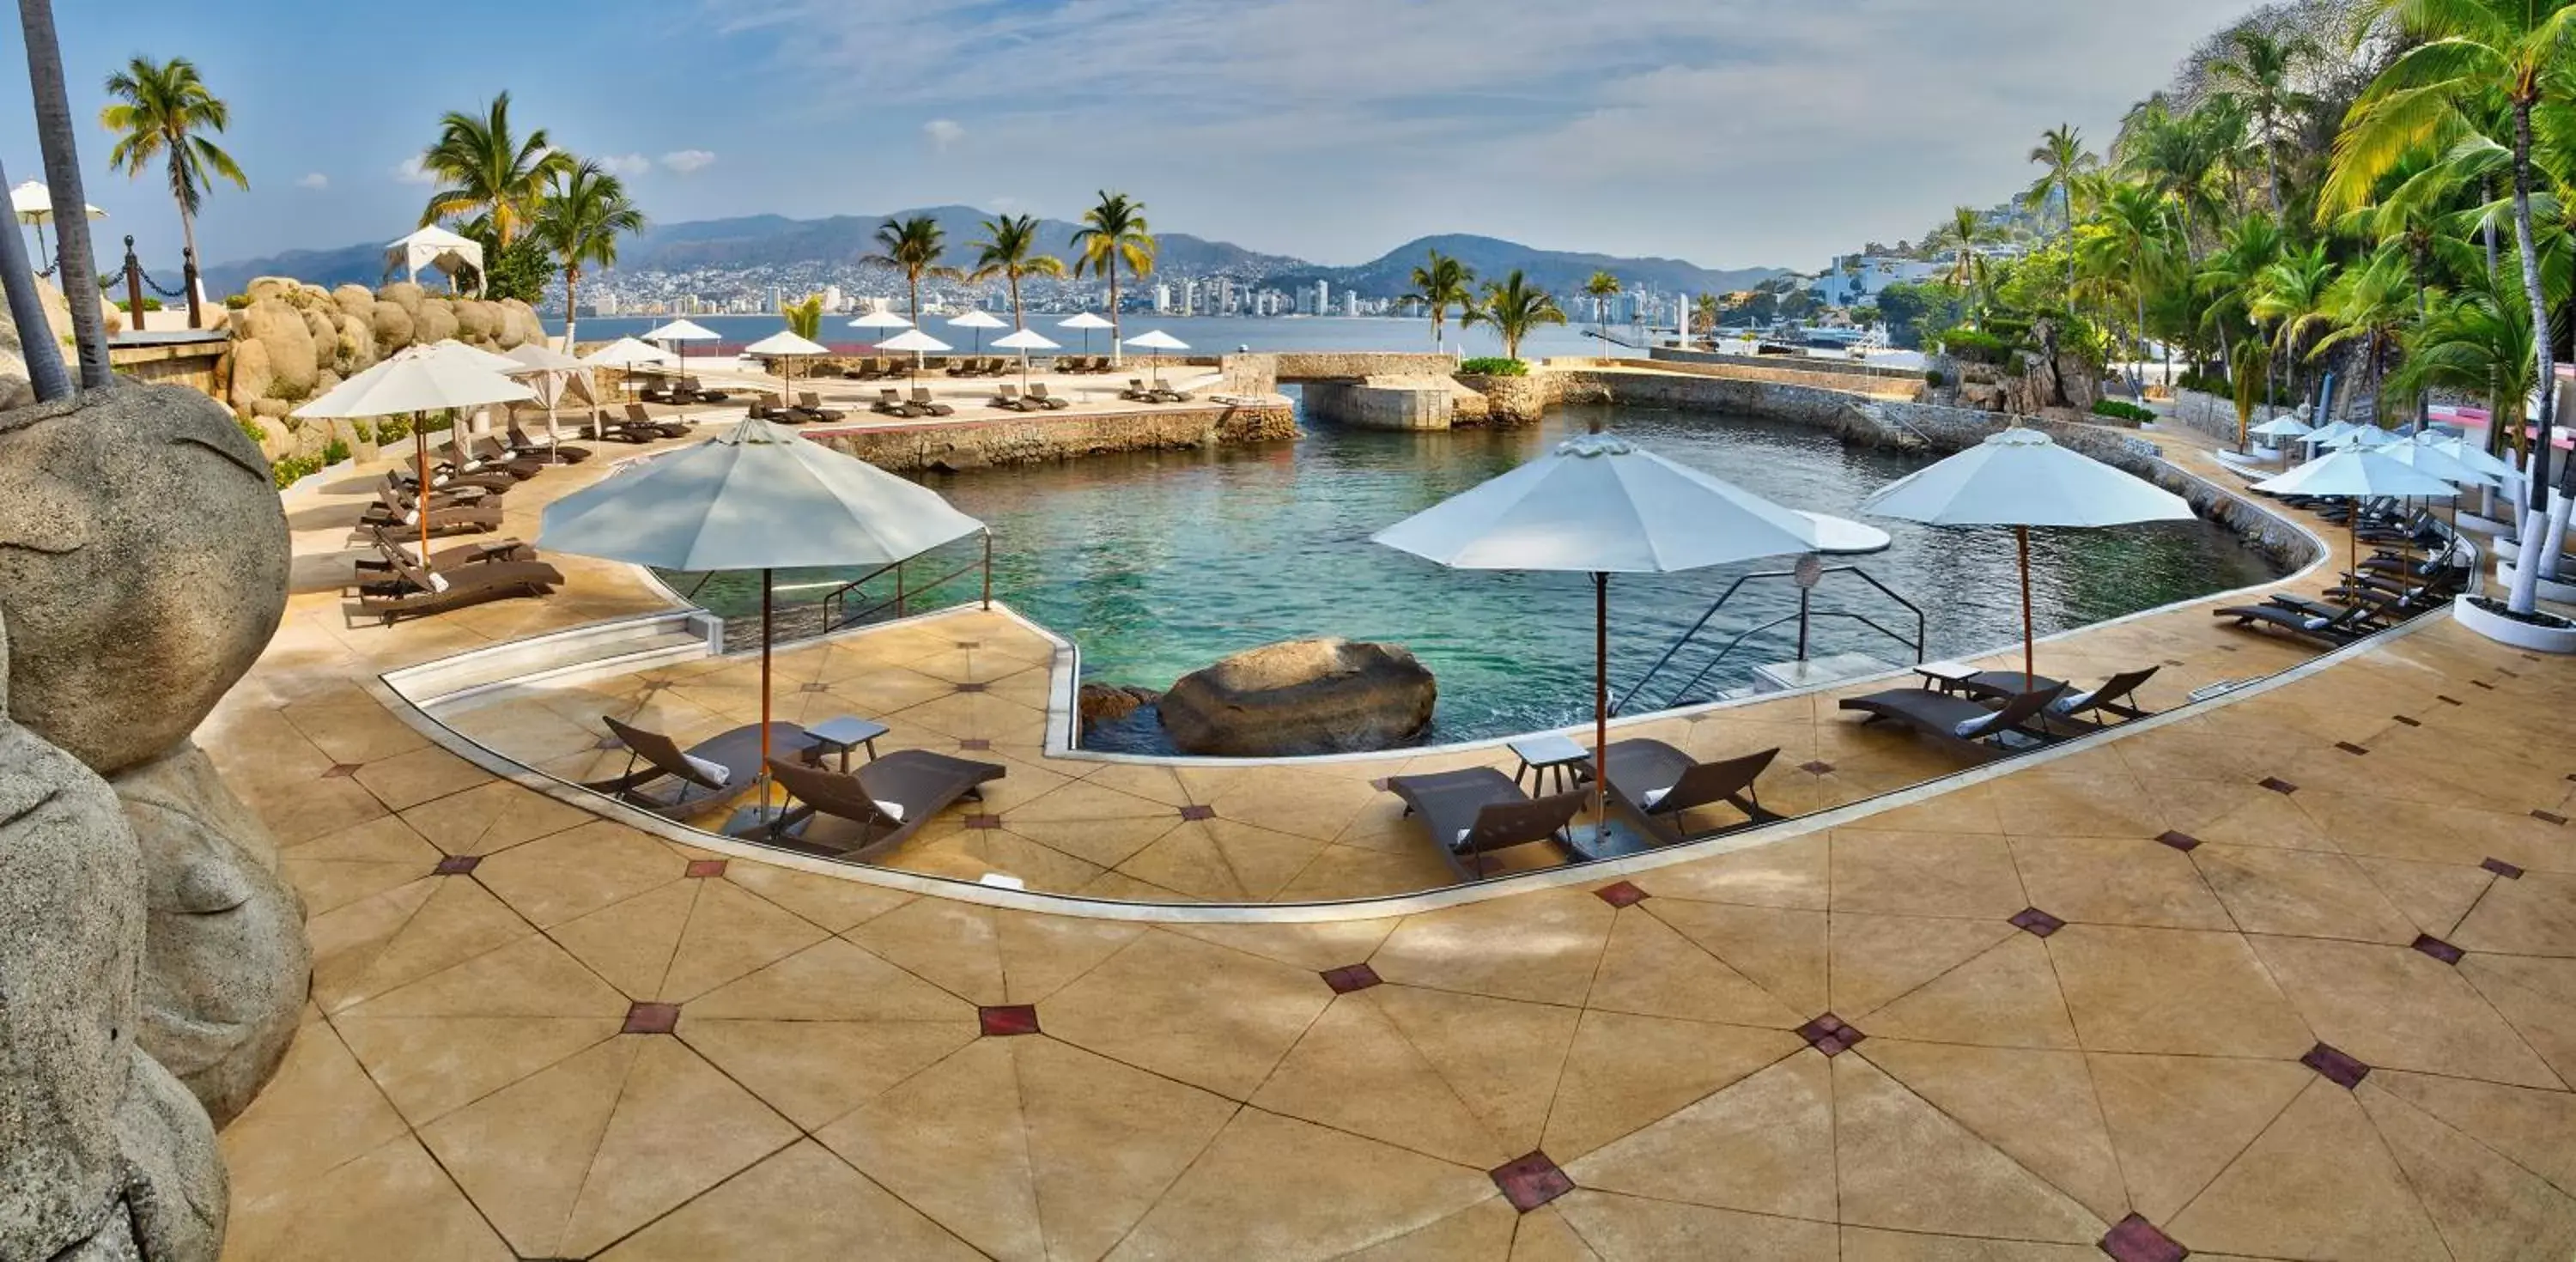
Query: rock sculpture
point(1324, 696)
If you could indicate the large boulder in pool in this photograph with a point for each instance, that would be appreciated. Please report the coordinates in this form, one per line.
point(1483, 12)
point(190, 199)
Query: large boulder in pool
point(1301, 697)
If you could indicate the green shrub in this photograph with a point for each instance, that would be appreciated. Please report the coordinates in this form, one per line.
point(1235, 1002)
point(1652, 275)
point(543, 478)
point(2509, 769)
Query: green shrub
point(287, 470)
point(1932, 377)
point(365, 431)
point(2205, 384)
point(334, 451)
point(1493, 366)
point(393, 429)
point(258, 432)
point(2123, 411)
point(150, 303)
point(1976, 346)
point(438, 424)
point(237, 302)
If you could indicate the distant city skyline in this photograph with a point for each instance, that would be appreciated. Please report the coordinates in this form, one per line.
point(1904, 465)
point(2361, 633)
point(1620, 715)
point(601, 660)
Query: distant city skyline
point(1729, 133)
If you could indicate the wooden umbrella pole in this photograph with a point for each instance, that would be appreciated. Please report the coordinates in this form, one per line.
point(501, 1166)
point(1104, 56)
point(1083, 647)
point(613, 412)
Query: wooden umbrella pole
point(2022, 535)
point(420, 491)
point(1600, 701)
point(764, 692)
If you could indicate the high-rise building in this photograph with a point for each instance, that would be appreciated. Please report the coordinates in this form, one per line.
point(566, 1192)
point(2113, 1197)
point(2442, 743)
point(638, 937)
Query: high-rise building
point(1190, 298)
point(1162, 300)
point(1323, 297)
point(1350, 302)
point(833, 300)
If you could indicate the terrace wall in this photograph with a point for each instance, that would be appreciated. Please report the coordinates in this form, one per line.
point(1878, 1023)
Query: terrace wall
point(958, 446)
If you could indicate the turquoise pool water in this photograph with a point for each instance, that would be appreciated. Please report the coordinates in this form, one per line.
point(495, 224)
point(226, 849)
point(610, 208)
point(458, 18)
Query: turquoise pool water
point(1158, 564)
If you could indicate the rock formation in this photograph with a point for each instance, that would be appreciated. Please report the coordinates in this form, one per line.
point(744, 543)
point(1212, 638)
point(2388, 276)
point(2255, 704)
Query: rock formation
point(1108, 703)
point(1325, 696)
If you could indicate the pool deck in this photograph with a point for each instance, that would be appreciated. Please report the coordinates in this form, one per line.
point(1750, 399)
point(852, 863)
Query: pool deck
point(2290, 975)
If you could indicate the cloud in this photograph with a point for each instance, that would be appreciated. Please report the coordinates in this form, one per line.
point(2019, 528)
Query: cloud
point(688, 161)
point(626, 166)
point(943, 132)
point(315, 180)
point(410, 171)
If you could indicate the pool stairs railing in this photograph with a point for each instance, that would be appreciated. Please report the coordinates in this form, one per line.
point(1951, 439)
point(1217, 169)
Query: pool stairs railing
point(1806, 577)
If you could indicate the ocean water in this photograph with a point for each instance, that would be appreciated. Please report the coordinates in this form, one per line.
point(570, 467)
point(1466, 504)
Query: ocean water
point(1159, 563)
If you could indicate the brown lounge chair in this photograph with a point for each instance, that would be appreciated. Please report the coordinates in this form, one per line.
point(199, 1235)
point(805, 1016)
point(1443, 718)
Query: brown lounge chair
point(1136, 391)
point(924, 405)
point(1968, 726)
point(890, 402)
point(458, 517)
point(811, 404)
point(414, 591)
point(1665, 784)
point(691, 392)
point(2309, 623)
point(487, 452)
point(1473, 812)
point(874, 808)
point(768, 407)
point(382, 567)
point(672, 782)
point(2072, 705)
point(1038, 395)
point(666, 426)
point(549, 451)
point(1007, 395)
point(600, 428)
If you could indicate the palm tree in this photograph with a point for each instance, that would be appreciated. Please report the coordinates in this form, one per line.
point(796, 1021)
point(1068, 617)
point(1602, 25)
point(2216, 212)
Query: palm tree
point(1441, 283)
point(2368, 305)
point(162, 108)
point(2226, 278)
point(1008, 250)
point(1114, 235)
point(2465, 54)
point(804, 316)
point(2128, 241)
point(1602, 287)
point(2290, 295)
point(2180, 156)
point(1705, 310)
point(913, 246)
point(2477, 342)
point(63, 175)
point(2062, 154)
point(1514, 307)
point(579, 220)
point(1963, 234)
point(2258, 72)
point(489, 171)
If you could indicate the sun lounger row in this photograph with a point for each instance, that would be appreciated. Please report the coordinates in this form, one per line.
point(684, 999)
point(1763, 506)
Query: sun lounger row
point(1036, 400)
point(1472, 813)
point(892, 403)
point(683, 390)
point(1139, 392)
point(636, 426)
point(807, 410)
point(393, 584)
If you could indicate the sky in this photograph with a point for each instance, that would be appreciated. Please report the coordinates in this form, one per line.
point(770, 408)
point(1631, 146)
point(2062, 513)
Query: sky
point(1730, 133)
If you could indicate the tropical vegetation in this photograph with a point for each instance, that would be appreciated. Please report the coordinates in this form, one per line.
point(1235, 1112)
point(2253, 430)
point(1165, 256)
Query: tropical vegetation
point(486, 171)
point(1442, 282)
point(1514, 307)
point(583, 213)
point(1114, 236)
point(914, 247)
point(1010, 250)
point(162, 112)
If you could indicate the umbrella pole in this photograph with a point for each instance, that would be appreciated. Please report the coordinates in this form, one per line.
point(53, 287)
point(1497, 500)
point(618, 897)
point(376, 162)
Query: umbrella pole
point(2022, 537)
point(1600, 703)
point(764, 693)
point(420, 491)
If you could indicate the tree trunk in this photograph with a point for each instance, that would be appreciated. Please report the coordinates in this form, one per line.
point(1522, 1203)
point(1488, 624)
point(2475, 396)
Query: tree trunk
point(79, 273)
point(2066, 194)
point(572, 305)
point(2525, 596)
point(2271, 165)
point(1017, 324)
point(1117, 353)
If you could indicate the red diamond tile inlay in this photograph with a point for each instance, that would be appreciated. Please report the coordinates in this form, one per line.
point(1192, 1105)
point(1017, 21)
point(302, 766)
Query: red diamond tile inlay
point(1005, 1020)
point(2134, 1239)
point(1621, 894)
point(975, 742)
point(2549, 817)
point(456, 864)
point(1828, 1034)
point(2438, 949)
point(968, 644)
point(2480, 683)
point(2338, 1067)
point(983, 821)
point(2350, 748)
point(1531, 1181)
point(1350, 977)
point(970, 687)
point(652, 1018)
point(1816, 768)
point(2278, 785)
point(816, 687)
point(2503, 869)
point(703, 868)
point(2184, 842)
point(341, 771)
point(1198, 812)
point(2448, 700)
point(2037, 923)
point(2407, 721)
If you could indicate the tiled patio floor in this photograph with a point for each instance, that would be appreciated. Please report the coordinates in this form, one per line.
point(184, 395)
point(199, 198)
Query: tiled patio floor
point(2103, 1004)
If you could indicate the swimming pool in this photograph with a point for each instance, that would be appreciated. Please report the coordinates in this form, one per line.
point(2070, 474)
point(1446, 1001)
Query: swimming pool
point(1157, 564)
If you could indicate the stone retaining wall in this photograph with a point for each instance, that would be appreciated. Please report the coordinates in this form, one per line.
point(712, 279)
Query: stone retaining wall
point(1906, 386)
point(1668, 356)
point(2213, 415)
point(1261, 373)
point(1038, 439)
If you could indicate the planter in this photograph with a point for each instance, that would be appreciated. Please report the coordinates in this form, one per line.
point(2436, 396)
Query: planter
point(2483, 525)
point(2552, 635)
point(2558, 590)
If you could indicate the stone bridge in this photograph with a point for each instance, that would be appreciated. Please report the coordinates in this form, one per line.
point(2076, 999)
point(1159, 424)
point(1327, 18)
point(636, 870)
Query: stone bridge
point(1375, 389)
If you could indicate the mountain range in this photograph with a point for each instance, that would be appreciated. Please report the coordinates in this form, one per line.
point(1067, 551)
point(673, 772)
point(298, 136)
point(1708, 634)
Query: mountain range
point(773, 241)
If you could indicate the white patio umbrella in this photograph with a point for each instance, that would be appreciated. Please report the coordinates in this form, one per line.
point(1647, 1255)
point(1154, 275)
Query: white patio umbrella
point(2021, 478)
point(915, 341)
point(33, 203)
point(628, 354)
point(1157, 341)
point(415, 380)
point(2359, 474)
point(2287, 429)
point(1086, 322)
point(1600, 506)
point(555, 377)
point(880, 320)
point(1023, 341)
point(2364, 436)
point(785, 344)
point(681, 333)
point(757, 497)
point(978, 321)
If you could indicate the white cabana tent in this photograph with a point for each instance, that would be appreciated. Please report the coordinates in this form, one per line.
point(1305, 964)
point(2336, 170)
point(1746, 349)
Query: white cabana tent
point(557, 379)
point(436, 248)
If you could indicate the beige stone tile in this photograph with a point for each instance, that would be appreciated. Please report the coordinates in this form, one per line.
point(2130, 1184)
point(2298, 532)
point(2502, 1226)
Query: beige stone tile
point(1543, 1235)
point(465, 1031)
point(680, 1128)
point(1146, 1006)
point(2484, 1206)
point(2433, 895)
point(1627, 1072)
point(406, 780)
point(2036, 1107)
point(2176, 1121)
point(836, 904)
point(1222, 861)
point(830, 981)
point(1307, 804)
point(1542, 947)
point(1104, 1141)
point(630, 943)
point(1782, 950)
point(2006, 997)
point(579, 870)
point(1106, 842)
point(1792, 873)
point(1966, 809)
point(523, 1153)
point(1502, 1057)
point(2536, 1129)
point(1482, 1232)
point(1318, 946)
point(1869, 1244)
point(801, 1205)
point(1616, 1226)
point(1274, 1187)
point(1355, 872)
point(731, 932)
point(2395, 1007)
point(2317, 1183)
point(2538, 997)
point(954, 946)
point(319, 1111)
point(1354, 1071)
point(405, 934)
point(491, 817)
point(2116, 881)
point(1876, 958)
point(1904, 1165)
point(394, 1203)
point(1764, 1144)
point(2301, 893)
point(2076, 804)
point(950, 1142)
point(2237, 813)
point(353, 730)
point(2172, 990)
point(1924, 874)
point(2535, 915)
point(1650, 969)
point(1042, 954)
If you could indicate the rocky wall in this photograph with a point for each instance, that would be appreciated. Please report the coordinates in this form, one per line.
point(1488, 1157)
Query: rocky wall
point(1039, 439)
point(2213, 415)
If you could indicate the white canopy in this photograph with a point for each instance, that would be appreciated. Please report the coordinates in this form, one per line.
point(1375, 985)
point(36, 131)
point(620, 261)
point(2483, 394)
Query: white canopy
point(2475, 457)
point(880, 320)
point(2355, 472)
point(627, 352)
point(786, 342)
point(913, 340)
point(1157, 340)
point(417, 379)
point(535, 356)
point(1083, 320)
point(976, 320)
point(1024, 340)
point(436, 248)
point(2282, 427)
point(34, 203)
point(681, 331)
point(2431, 458)
point(556, 377)
point(454, 351)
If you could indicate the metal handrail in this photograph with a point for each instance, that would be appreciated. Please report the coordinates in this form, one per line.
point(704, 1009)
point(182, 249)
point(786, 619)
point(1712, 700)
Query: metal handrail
point(1804, 613)
point(835, 602)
